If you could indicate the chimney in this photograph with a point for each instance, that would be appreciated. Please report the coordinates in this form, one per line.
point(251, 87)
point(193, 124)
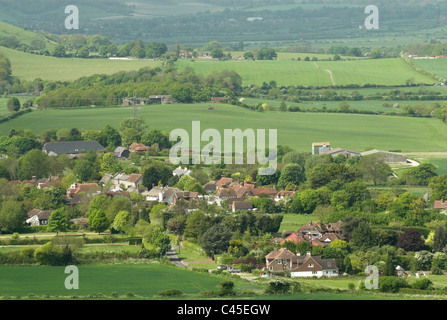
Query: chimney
point(308, 253)
point(298, 254)
point(34, 178)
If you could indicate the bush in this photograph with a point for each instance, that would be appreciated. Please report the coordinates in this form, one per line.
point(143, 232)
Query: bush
point(226, 288)
point(170, 293)
point(278, 287)
point(392, 284)
point(422, 284)
point(436, 271)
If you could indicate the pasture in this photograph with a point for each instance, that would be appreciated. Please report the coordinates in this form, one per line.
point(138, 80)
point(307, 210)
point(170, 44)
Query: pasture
point(381, 72)
point(434, 66)
point(298, 130)
point(29, 66)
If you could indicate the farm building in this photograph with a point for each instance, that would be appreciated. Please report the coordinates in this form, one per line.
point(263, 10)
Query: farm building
point(320, 147)
point(389, 157)
point(121, 152)
point(340, 151)
point(71, 147)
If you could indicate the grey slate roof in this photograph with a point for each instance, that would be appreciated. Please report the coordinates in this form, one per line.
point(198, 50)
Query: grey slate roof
point(72, 147)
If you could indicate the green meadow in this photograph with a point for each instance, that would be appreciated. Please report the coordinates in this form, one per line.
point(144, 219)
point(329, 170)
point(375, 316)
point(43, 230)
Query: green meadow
point(382, 72)
point(434, 66)
point(298, 130)
point(29, 66)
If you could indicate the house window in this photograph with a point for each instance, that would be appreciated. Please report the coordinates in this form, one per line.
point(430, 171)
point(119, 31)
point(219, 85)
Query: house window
point(310, 265)
point(271, 268)
point(279, 261)
point(334, 271)
point(314, 272)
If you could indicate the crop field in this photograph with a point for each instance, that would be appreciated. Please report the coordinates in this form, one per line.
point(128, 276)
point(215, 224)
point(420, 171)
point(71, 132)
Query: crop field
point(298, 130)
point(29, 66)
point(24, 36)
point(143, 280)
point(382, 72)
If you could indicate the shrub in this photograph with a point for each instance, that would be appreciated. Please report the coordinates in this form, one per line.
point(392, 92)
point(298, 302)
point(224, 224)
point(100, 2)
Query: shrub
point(170, 293)
point(422, 284)
point(392, 284)
point(226, 288)
point(436, 271)
point(278, 287)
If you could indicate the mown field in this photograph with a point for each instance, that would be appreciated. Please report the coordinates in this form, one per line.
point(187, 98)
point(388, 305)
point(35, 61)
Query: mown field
point(382, 72)
point(29, 66)
point(298, 130)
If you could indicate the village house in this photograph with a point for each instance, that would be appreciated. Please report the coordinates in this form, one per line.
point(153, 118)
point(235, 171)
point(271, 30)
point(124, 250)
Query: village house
point(121, 181)
point(37, 217)
point(283, 260)
point(241, 206)
point(210, 187)
point(440, 205)
point(179, 171)
point(137, 147)
point(161, 194)
point(316, 234)
point(223, 182)
point(283, 195)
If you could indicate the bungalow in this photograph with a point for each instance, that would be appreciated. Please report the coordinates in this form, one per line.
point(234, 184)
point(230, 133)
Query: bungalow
point(440, 205)
point(161, 194)
point(37, 217)
point(130, 182)
point(223, 182)
point(241, 206)
point(136, 147)
point(90, 188)
point(210, 187)
point(71, 147)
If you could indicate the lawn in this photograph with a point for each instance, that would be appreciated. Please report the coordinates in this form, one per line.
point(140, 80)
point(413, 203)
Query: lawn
point(298, 130)
point(383, 72)
point(29, 66)
point(292, 221)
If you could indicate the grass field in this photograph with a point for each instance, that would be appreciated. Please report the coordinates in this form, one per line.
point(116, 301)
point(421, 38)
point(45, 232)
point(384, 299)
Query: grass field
point(386, 72)
point(24, 36)
point(362, 105)
point(144, 280)
point(29, 66)
point(295, 221)
point(298, 130)
point(4, 101)
point(434, 66)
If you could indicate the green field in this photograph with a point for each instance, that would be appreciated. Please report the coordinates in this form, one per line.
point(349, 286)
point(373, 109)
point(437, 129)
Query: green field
point(143, 280)
point(24, 36)
point(298, 130)
point(434, 66)
point(384, 72)
point(295, 221)
point(29, 66)
point(361, 105)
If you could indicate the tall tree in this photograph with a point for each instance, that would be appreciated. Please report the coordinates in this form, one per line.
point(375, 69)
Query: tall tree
point(216, 240)
point(440, 239)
